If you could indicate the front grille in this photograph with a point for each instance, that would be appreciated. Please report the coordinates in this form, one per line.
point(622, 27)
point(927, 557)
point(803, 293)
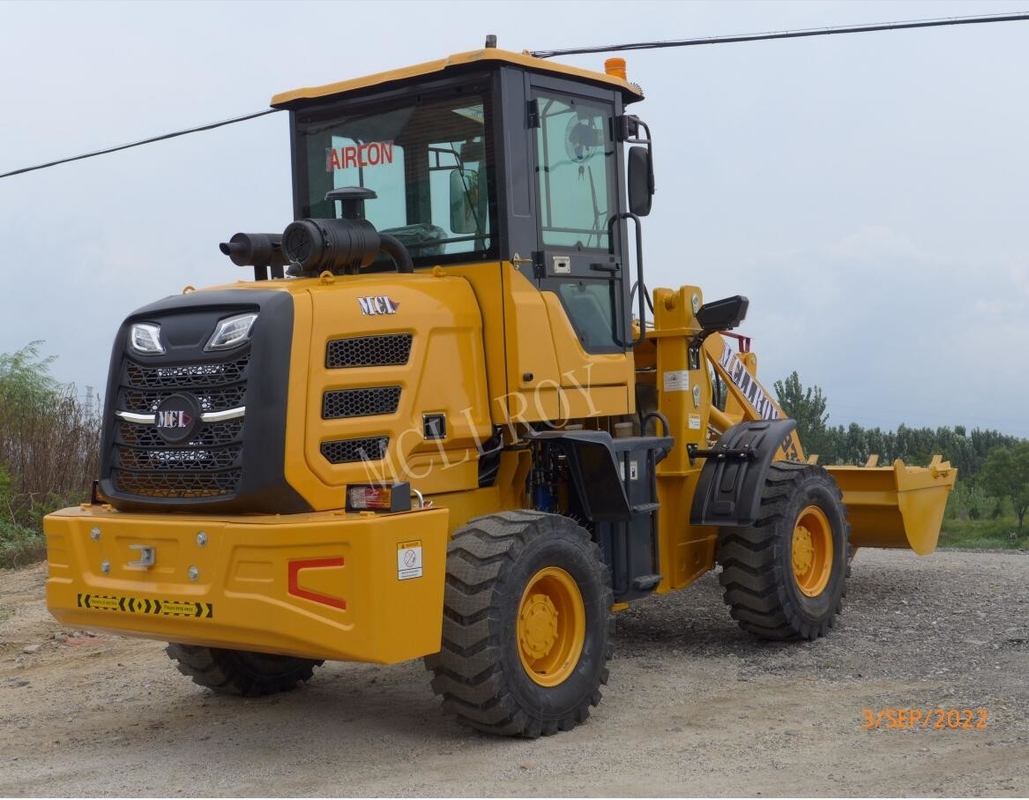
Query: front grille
point(211, 434)
point(186, 377)
point(144, 402)
point(177, 485)
point(209, 464)
point(386, 350)
point(190, 459)
point(348, 451)
point(360, 402)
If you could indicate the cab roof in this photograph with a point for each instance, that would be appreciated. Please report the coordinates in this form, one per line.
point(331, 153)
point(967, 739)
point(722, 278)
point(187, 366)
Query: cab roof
point(461, 61)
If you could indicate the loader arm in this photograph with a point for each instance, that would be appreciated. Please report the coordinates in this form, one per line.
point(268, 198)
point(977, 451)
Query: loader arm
point(748, 399)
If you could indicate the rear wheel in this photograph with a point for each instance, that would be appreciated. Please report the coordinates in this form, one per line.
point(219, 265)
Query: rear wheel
point(785, 576)
point(526, 626)
point(240, 672)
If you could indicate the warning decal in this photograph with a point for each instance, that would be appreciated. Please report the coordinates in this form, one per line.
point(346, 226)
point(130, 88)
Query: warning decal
point(136, 605)
point(409, 560)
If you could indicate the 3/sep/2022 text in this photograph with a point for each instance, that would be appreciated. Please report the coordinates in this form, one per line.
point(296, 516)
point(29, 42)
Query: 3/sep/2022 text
point(925, 719)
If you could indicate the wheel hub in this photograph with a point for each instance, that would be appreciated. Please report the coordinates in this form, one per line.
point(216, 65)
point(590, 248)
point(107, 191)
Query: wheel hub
point(812, 551)
point(538, 626)
point(803, 551)
point(551, 626)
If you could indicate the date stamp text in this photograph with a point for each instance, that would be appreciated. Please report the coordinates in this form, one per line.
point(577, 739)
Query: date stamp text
point(928, 719)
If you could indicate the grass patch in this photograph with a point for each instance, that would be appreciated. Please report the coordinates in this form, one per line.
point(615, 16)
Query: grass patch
point(992, 534)
point(20, 546)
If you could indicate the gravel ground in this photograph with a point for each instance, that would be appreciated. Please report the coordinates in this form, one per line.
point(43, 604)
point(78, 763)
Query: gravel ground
point(694, 706)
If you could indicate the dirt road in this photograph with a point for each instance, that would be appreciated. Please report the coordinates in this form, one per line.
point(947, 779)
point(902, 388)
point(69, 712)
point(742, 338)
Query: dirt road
point(694, 706)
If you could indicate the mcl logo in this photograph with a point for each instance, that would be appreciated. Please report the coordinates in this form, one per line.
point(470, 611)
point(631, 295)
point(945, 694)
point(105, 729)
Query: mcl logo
point(378, 305)
point(173, 419)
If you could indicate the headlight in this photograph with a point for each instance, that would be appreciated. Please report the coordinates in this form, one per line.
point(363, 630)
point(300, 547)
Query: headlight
point(146, 338)
point(231, 332)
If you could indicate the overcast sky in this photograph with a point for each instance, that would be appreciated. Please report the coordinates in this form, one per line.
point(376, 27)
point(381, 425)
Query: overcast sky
point(867, 192)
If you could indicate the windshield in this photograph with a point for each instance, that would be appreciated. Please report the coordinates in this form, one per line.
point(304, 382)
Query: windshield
point(429, 163)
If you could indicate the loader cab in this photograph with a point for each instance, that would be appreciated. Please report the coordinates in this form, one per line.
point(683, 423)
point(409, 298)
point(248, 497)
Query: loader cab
point(482, 158)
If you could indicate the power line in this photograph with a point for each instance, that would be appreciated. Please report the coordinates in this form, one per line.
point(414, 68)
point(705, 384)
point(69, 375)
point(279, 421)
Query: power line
point(746, 37)
point(758, 37)
point(152, 139)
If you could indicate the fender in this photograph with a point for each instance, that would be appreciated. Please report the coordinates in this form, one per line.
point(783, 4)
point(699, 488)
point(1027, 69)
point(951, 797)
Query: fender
point(729, 490)
point(593, 460)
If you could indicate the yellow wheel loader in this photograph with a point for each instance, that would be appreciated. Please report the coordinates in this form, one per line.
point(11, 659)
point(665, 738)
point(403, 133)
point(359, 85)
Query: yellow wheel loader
point(447, 420)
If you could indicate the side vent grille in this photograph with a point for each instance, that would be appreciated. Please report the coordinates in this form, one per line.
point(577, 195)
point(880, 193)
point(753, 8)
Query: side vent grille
point(360, 402)
point(348, 451)
point(387, 350)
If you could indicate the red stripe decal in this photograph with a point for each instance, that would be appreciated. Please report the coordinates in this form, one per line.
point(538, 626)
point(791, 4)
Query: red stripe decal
point(315, 563)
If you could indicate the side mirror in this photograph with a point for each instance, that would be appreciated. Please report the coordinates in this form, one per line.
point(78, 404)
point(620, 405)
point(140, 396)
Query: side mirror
point(466, 210)
point(641, 180)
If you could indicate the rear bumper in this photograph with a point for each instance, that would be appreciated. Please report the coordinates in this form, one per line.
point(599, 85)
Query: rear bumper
point(323, 585)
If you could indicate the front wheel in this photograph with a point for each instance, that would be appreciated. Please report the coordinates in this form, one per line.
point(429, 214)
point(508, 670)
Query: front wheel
point(239, 671)
point(526, 626)
point(785, 576)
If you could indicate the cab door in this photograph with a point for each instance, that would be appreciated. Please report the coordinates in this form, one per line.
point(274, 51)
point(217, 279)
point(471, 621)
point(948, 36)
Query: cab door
point(579, 256)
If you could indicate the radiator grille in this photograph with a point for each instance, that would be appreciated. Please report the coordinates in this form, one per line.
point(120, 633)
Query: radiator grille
point(177, 485)
point(211, 434)
point(144, 402)
point(187, 376)
point(189, 459)
point(209, 463)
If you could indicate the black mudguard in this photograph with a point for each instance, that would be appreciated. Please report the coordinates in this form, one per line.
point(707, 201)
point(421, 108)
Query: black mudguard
point(729, 490)
point(593, 462)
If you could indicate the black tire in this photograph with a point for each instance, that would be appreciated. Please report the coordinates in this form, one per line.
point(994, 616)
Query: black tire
point(240, 672)
point(488, 676)
point(773, 592)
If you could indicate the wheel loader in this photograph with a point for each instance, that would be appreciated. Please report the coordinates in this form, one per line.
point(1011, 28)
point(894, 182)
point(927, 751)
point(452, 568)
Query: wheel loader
point(446, 419)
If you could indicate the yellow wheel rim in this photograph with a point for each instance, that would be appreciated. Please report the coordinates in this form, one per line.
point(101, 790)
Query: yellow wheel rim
point(812, 551)
point(551, 626)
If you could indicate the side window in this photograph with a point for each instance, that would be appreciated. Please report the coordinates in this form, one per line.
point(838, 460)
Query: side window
point(576, 164)
point(458, 194)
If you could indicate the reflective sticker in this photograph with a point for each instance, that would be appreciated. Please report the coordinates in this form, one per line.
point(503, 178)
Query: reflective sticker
point(323, 575)
point(139, 605)
point(409, 560)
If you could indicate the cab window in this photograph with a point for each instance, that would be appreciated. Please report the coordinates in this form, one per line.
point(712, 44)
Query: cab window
point(428, 161)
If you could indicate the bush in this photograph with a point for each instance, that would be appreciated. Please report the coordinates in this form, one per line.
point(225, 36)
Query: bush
point(992, 534)
point(49, 451)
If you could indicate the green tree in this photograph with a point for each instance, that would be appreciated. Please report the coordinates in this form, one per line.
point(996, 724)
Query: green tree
point(24, 379)
point(1006, 475)
point(49, 440)
point(808, 408)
